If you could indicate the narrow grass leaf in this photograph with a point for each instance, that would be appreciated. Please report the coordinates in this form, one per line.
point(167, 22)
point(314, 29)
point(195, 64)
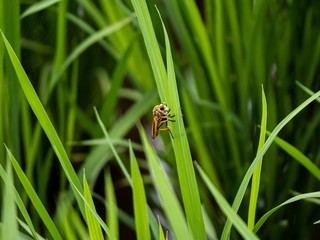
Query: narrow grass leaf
point(244, 184)
point(37, 7)
point(139, 200)
point(291, 200)
point(169, 200)
point(18, 201)
point(256, 174)
point(299, 156)
point(9, 209)
point(34, 198)
point(226, 208)
point(28, 230)
point(307, 90)
point(187, 177)
point(161, 234)
point(317, 222)
point(44, 120)
point(95, 231)
point(112, 213)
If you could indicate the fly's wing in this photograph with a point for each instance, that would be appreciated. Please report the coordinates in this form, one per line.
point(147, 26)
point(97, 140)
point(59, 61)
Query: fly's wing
point(155, 128)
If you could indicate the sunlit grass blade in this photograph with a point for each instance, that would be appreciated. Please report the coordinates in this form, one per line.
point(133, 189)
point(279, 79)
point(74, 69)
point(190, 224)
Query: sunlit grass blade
point(170, 202)
point(44, 120)
point(291, 200)
point(37, 7)
point(18, 201)
point(187, 178)
point(9, 209)
point(244, 184)
point(95, 231)
point(168, 93)
point(256, 174)
point(112, 212)
point(139, 200)
point(299, 156)
point(34, 198)
point(161, 234)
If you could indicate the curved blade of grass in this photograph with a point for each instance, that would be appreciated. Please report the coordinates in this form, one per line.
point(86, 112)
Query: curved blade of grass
point(170, 202)
point(291, 200)
point(84, 45)
point(34, 198)
point(95, 231)
point(139, 200)
point(307, 90)
point(299, 156)
point(187, 177)
point(27, 229)
point(166, 85)
point(226, 208)
point(44, 120)
point(37, 7)
point(19, 202)
point(9, 209)
point(256, 175)
point(244, 184)
point(112, 213)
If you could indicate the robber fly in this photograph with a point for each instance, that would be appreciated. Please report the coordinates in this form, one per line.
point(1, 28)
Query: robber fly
point(161, 115)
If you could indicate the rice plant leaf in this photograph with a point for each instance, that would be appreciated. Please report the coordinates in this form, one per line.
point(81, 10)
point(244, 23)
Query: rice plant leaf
point(170, 202)
point(45, 122)
point(291, 200)
point(37, 7)
point(34, 198)
point(161, 234)
point(256, 174)
point(112, 213)
point(299, 156)
point(187, 177)
point(139, 200)
point(226, 208)
point(95, 231)
point(244, 184)
point(18, 201)
point(9, 209)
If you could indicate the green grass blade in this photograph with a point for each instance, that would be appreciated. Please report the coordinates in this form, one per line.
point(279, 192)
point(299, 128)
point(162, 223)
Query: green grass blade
point(34, 198)
point(120, 163)
point(187, 177)
point(9, 209)
point(18, 201)
point(242, 189)
point(37, 7)
point(28, 230)
point(139, 200)
point(95, 231)
point(44, 120)
point(170, 202)
point(226, 208)
point(112, 213)
point(256, 175)
point(299, 156)
point(161, 234)
point(307, 90)
point(291, 200)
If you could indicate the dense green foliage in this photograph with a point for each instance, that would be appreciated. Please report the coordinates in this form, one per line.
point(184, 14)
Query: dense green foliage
point(79, 80)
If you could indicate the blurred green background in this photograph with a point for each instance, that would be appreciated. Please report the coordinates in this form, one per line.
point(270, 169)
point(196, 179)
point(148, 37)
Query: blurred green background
point(84, 53)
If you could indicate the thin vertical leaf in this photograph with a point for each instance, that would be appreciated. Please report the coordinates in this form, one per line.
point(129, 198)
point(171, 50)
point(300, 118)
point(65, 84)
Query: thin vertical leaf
point(112, 213)
point(256, 174)
point(95, 231)
point(139, 200)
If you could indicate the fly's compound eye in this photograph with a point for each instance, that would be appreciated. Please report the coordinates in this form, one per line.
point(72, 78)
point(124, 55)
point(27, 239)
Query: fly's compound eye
point(161, 107)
